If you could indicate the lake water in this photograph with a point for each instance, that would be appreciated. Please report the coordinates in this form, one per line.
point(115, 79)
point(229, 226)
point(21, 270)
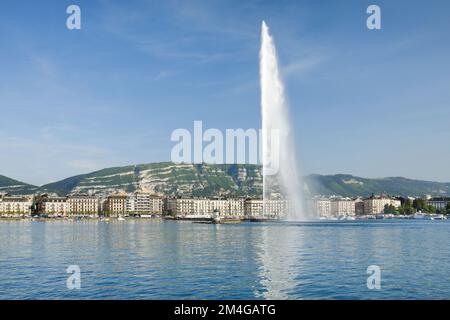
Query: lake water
point(154, 259)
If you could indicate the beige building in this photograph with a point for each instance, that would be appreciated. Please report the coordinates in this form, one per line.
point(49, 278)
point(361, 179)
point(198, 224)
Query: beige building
point(15, 206)
point(342, 207)
point(116, 204)
point(82, 205)
point(376, 204)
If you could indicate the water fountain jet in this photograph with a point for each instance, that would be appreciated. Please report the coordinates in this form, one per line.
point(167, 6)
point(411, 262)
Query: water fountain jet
point(285, 180)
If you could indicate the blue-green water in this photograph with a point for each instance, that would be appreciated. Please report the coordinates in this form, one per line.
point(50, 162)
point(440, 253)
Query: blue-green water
point(155, 259)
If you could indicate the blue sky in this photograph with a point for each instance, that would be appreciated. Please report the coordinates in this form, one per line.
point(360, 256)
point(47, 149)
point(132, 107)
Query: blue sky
point(369, 103)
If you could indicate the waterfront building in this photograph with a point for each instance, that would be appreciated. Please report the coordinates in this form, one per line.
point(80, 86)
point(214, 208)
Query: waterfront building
point(16, 206)
point(254, 207)
point(376, 204)
point(439, 202)
point(342, 207)
point(204, 207)
point(182, 206)
point(321, 207)
point(82, 205)
point(52, 205)
point(116, 204)
point(236, 207)
point(141, 202)
point(269, 207)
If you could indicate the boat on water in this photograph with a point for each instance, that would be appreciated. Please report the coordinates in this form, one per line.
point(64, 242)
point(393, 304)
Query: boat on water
point(120, 218)
point(438, 217)
point(346, 218)
point(217, 219)
point(419, 216)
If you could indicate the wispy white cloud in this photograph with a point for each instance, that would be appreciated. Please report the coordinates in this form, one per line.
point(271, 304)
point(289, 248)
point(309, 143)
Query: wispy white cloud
point(302, 66)
point(206, 25)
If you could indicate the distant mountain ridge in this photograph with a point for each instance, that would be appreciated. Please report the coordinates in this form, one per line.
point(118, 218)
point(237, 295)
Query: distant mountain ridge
point(167, 178)
point(15, 187)
point(348, 185)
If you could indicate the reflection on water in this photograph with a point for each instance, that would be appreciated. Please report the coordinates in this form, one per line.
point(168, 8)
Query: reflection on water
point(155, 259)
point(278, 258)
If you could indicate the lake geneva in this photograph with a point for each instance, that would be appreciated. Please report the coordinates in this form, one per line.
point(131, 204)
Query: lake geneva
point(157, 259)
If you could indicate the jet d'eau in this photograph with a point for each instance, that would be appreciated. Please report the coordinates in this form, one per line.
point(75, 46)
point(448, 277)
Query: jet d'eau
point(275, 116)
point(273, 146)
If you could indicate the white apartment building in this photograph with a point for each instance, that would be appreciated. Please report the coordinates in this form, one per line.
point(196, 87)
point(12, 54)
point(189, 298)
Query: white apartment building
point(144, 203)
point(269, 208)
point(206, 207)
point(342, 207)
point(15, 206)
point(183, 207)
point(321, 207)
point(54, 206)
point(439, 203)
point(376, 204)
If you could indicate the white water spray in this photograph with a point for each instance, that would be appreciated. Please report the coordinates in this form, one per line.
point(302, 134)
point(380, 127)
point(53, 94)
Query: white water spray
point(275, 118)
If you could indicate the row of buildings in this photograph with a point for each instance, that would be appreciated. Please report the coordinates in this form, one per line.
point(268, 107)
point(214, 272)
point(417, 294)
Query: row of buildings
point(339, 206)
point(144, 203)
point(229, 207)
point(137, 203)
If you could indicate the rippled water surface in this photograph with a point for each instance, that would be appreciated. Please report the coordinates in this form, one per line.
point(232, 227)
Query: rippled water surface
point(156, 259)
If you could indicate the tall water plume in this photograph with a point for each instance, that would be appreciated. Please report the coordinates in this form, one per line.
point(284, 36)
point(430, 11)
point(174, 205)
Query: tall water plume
point(280, 173)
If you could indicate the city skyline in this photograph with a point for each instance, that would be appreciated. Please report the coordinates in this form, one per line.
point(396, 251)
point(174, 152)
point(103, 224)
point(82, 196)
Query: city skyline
point(368, 103)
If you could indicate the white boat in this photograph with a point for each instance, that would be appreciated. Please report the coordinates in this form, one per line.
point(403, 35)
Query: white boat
point(419, 216)
point(438, 217)
point(346, 218)
point(121, 218)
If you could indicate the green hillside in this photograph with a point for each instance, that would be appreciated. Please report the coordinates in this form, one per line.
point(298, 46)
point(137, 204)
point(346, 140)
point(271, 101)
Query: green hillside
point(166, 178)
point(211, 180)
point(12, 186)
point(348, 185)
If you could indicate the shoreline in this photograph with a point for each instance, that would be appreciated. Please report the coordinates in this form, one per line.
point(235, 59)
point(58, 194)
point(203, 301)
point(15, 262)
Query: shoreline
point(213, 221)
